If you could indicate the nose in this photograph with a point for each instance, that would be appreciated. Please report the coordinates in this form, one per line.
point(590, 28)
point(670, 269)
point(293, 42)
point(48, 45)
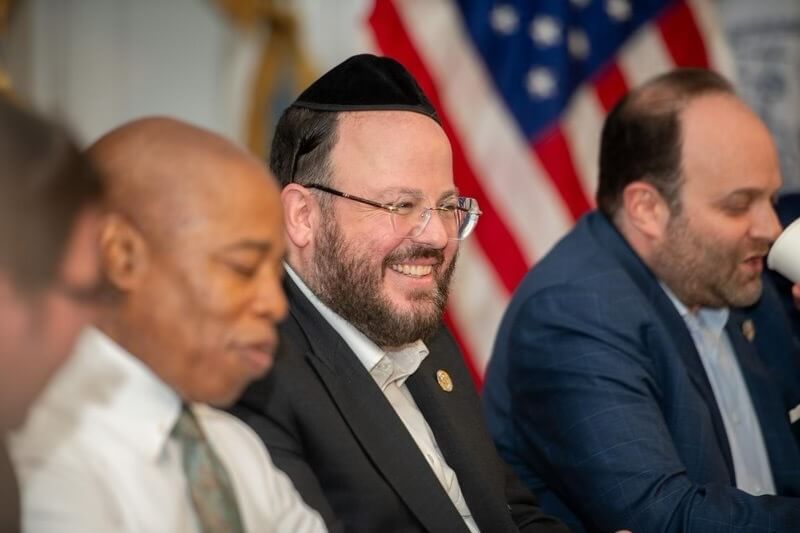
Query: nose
point(270, 300)
point(434, 233)
point(767, 226)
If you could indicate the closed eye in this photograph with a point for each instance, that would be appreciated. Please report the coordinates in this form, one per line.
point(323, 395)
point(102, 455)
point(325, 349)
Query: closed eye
point(737, 208)
point(245, 271)
point(739, 202)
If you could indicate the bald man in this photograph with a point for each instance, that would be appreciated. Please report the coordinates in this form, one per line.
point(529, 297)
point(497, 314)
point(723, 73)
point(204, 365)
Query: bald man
point(124, 440)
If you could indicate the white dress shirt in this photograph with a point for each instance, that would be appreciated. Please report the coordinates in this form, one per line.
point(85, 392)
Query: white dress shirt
point(749, 454)
point(96, 456)
point(390, 371)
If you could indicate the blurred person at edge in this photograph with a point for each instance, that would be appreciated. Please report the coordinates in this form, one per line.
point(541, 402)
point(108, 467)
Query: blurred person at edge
point(49, 215)
point(124, 439)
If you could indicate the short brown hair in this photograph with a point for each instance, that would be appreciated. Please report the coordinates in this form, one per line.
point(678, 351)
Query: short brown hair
point(45, 182)
point(641, 139)
point(302, 145)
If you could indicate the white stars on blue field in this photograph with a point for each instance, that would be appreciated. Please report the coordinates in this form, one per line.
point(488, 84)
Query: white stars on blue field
point(538, 52)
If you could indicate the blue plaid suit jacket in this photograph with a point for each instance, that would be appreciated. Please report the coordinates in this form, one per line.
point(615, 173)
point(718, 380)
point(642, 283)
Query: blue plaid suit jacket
point(596, 395)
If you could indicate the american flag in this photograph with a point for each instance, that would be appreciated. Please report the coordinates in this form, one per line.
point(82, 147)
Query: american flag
point(522, 88)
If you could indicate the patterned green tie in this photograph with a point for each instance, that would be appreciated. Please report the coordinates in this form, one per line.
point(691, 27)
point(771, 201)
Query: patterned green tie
point(211, 490)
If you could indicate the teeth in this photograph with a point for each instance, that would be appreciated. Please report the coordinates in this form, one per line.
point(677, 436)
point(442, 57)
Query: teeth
point(413, 270)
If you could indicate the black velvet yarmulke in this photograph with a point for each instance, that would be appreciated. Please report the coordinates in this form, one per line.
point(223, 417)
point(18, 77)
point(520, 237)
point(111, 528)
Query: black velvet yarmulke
point(366, 82)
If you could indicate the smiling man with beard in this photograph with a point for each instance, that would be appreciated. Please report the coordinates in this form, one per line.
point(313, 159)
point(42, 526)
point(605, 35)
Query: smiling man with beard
point(370, 409)
point(643, 375)
point(349, 281)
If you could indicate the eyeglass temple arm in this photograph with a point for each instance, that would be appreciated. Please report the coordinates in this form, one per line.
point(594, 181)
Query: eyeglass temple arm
point(353, 197)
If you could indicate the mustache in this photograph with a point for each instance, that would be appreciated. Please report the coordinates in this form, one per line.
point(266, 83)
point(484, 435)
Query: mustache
point(761, 247)
point(415, 252)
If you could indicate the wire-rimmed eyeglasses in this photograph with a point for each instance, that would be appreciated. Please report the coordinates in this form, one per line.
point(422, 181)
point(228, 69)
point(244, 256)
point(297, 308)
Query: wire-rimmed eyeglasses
point(459, 215)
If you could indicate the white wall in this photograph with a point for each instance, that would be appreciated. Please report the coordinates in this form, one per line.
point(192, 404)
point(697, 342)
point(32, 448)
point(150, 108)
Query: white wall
point(765, 38)
point(97, 63)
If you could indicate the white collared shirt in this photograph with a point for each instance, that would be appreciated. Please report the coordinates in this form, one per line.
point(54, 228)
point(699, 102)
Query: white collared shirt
point(95, 455)
point(749, 454)
point(390, 371)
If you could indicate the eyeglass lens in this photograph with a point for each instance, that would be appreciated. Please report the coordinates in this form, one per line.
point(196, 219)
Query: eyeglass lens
point(458, 224)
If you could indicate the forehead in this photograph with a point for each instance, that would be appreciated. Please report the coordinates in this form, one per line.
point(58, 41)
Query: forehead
point(379, 150)
point(240, 201)
point(726, 147)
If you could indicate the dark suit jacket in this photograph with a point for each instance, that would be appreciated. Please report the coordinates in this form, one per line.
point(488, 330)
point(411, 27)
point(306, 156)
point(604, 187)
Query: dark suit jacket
point(597, 397)
point(9, 493)
point(330, 428)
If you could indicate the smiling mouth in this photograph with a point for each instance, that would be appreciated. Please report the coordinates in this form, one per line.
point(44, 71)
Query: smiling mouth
point(414, 271)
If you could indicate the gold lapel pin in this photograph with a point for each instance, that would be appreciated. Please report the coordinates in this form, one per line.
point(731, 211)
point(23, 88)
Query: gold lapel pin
point(443, 378)
point(749, 330)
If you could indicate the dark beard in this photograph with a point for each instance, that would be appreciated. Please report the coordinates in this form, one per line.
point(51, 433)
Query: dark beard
point(352, 288)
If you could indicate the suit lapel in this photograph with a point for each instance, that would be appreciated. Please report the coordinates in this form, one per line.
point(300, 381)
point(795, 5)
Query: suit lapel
point(372, 420)
point(9, 492)
point(648, 284)
point(464, 445)
point(697, 372)
point(770, 411)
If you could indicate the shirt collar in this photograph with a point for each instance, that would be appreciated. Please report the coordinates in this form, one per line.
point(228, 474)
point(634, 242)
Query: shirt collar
point(712, 319)
point(384, 367)
point(136, 404)
point(398, 365)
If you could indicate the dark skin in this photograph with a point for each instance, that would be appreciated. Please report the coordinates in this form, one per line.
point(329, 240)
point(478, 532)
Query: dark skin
point(192, 252)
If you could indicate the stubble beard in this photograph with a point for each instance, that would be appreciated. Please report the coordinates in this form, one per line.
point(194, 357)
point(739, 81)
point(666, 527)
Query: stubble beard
point(701, 272)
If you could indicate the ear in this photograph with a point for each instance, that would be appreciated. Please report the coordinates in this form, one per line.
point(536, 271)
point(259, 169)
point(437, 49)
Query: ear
point(124, 252)
point(645, 209)
point(300, 214)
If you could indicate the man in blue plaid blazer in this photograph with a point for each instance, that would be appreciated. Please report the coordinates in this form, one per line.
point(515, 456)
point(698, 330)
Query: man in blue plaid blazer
point(643, 376)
